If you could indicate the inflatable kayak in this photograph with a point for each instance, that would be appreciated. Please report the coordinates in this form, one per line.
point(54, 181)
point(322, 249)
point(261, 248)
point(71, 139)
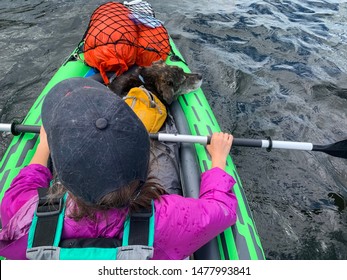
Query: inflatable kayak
point(192, 115)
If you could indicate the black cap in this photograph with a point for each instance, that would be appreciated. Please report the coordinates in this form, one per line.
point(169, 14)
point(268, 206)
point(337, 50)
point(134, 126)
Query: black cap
point(98, 145)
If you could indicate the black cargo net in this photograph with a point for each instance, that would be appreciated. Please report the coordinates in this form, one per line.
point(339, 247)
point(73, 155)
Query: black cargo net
point(134, 25)
point(119, 36)
point(109, 15)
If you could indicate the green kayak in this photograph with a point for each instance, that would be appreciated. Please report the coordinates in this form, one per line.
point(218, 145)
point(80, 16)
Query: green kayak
point(193, 115)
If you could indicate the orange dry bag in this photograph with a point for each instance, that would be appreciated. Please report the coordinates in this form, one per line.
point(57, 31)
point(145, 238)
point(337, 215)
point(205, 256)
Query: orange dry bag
point(119, 36)
point(110, 40)
point(154, 44)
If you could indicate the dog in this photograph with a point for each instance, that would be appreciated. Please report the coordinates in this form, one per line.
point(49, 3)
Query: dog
point(165, 81)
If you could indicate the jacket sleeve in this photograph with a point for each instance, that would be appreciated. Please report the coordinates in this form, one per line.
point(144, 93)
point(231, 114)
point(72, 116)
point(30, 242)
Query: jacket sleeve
point(183, 225)
point(23, 187)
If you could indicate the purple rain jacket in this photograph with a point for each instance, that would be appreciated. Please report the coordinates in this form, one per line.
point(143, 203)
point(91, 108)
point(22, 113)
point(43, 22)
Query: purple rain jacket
point(182, 225)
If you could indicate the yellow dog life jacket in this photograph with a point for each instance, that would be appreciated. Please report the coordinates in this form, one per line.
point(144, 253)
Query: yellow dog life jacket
point(151, 111)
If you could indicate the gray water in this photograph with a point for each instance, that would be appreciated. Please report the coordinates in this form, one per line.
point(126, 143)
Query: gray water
point(271, 68)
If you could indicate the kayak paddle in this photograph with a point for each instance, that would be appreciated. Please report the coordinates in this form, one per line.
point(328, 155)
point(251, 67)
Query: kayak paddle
point(338, 149)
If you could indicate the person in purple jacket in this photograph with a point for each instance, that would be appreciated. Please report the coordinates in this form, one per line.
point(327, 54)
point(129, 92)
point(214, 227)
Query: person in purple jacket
point(100, 152)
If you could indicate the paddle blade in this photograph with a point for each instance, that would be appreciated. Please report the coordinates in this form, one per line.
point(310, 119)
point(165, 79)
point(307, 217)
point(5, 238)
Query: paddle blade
point(338, 149)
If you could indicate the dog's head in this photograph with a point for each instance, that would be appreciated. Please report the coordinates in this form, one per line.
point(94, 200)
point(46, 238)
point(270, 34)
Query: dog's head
point(170, 81)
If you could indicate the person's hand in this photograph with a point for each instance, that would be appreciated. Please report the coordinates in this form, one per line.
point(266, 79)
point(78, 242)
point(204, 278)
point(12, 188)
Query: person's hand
point(43, 138)
point(42, 151)
point(219, 148)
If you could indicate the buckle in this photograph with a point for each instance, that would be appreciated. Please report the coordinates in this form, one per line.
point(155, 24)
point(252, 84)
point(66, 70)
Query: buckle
point(45, 209)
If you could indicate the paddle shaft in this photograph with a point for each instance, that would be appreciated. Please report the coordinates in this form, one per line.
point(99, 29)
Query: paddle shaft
point(337, 149)
point(205, 140)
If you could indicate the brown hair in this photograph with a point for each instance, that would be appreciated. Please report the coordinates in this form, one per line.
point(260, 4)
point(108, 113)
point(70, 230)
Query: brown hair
point(134, 197)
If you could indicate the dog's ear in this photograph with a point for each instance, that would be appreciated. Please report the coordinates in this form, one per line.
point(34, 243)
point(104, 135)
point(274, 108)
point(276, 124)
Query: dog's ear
point(166, 92)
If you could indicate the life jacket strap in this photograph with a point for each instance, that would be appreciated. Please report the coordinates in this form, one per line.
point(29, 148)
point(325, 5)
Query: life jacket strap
point(47, 216)
point(139, 228)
